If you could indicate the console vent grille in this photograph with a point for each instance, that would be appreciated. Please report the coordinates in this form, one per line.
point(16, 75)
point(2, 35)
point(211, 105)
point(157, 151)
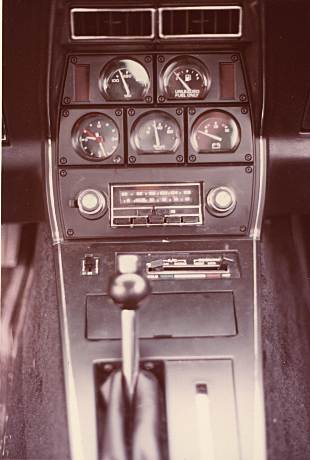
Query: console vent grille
point(112, 23)
point(198, 22)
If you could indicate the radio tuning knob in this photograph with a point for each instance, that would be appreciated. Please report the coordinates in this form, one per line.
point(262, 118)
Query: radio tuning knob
point(91, 203)
point(221, 201)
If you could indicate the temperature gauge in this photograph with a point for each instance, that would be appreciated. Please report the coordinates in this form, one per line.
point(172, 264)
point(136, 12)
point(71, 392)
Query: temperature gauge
point(156, 132)
point(185, 78)
point(124, 80)
point(215, 132)
point(95, 136)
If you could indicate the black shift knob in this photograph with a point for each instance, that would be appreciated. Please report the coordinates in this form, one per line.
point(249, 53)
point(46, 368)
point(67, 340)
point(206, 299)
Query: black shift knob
point(128, 287)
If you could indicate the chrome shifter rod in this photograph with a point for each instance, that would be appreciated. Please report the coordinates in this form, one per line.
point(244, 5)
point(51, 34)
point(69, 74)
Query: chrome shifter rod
point(128, 288)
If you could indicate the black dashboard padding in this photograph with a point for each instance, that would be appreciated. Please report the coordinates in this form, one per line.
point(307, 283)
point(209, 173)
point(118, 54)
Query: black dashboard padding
point(162, 315)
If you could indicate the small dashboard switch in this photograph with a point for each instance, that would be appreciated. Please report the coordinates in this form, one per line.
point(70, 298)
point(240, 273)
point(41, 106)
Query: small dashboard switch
point(90, 265)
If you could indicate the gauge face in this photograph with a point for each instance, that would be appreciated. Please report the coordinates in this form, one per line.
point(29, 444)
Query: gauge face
point(215, 131)
point(95, 137)
point(186, 78)
point(124, 80)
point(156, 132)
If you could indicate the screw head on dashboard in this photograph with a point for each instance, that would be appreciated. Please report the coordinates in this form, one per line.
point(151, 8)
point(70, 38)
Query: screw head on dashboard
point(70, 232)
point(63, 160)
point(65, 113)
point(234, 58)
point(73, 59)
point(148, 366)
point(117, 159)
point(248, 169)
point(108, 367)
point(132, 159)
point(192, 158)
point(179, 111)
point(118, 112)
point(148, 99)
point(131, 112)
point(242, 228)
point(248, 157)
point(67, 100)
point(244, 110)
point(243, 97)
point(192, 111)
point(148, 59)
point(179, 158)
point(63, 173)
point(161, 98)
point(161, 59)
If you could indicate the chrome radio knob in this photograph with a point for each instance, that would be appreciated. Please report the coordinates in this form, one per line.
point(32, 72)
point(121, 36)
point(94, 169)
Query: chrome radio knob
point(221, 201)
point(91, 203)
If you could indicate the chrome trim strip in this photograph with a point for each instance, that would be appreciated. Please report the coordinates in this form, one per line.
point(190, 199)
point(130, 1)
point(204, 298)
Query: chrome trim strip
point(259, 441)
point(106, 37)
point(180, 8)
point(75, 435)
point(51, 207)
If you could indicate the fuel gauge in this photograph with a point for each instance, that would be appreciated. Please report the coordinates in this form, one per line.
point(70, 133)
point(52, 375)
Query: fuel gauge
point(124, 80)
point(185, 78)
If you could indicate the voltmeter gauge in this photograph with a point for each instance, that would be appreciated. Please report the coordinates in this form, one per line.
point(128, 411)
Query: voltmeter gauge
point(124, 80)
point(185, 78)
point(95, 136)
point(155, 132)
point(215, 131)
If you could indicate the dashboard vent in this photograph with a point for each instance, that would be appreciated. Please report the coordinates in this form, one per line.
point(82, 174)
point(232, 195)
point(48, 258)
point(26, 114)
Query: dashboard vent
point(200, 21)
point(112, 23)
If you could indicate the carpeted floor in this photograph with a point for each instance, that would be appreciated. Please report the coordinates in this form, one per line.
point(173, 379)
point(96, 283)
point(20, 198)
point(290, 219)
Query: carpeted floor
point(286, 341)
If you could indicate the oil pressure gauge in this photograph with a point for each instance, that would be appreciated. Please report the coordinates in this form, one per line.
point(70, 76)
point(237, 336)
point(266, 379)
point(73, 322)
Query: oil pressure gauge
point(155, 132)
point(124, 80)
point(95, 136)
point(215, 131)
point(185, 78)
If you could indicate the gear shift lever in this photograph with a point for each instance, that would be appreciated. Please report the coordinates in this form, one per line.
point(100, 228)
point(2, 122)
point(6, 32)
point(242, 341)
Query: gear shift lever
point(128, 288)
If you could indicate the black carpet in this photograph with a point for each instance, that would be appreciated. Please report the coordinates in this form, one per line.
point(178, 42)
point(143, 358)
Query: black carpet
point(38, 416)
point(286, 341)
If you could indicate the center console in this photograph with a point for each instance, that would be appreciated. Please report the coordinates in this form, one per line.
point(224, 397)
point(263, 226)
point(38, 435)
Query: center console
point(157, 152)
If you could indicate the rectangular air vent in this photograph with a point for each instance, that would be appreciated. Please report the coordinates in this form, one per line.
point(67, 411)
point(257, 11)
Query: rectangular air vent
point(112, 23)
point(200, 21)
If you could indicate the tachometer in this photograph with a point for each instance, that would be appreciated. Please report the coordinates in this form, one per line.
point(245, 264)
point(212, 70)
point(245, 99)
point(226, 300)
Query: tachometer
point(156, 132)
point(95, 137)
point(124, 80)
point(215, 131)
point(185, 78)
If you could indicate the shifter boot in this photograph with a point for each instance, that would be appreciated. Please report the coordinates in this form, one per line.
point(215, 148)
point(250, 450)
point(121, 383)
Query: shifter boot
point(114, 440)
point(146, 443)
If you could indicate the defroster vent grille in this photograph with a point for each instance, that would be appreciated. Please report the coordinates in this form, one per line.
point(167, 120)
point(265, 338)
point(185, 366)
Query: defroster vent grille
point(112, 23)
point(198, 22)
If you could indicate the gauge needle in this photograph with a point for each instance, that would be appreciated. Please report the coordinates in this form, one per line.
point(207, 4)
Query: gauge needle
point(128, 93)
point(182, 81)
point(156, 134)
point(102, 149)
point(213, 136)
point(91, 135)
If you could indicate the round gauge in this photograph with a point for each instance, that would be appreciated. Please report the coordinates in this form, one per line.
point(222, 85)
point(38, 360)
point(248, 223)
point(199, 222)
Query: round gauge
point(156, 132)
point(185, 78)
point(95, 136)
point(215, 131)
point(124, 80)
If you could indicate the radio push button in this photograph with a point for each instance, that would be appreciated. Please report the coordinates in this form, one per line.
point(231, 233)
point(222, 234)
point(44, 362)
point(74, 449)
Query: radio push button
point(91, 203)
point(173, 220)
point(221, 201)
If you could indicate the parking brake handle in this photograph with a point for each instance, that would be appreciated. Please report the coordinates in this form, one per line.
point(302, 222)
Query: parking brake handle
point(128, 288)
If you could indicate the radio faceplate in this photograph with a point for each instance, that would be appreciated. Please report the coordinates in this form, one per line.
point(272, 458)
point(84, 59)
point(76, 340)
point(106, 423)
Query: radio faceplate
point(155, 204)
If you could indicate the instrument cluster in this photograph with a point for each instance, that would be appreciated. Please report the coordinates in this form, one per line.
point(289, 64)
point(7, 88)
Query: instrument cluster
point(154, 109)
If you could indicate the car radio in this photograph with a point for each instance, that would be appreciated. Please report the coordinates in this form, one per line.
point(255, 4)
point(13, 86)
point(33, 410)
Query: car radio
point(156, 204)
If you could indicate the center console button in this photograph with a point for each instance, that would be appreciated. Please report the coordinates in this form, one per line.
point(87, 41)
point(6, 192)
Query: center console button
point(91, 203)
